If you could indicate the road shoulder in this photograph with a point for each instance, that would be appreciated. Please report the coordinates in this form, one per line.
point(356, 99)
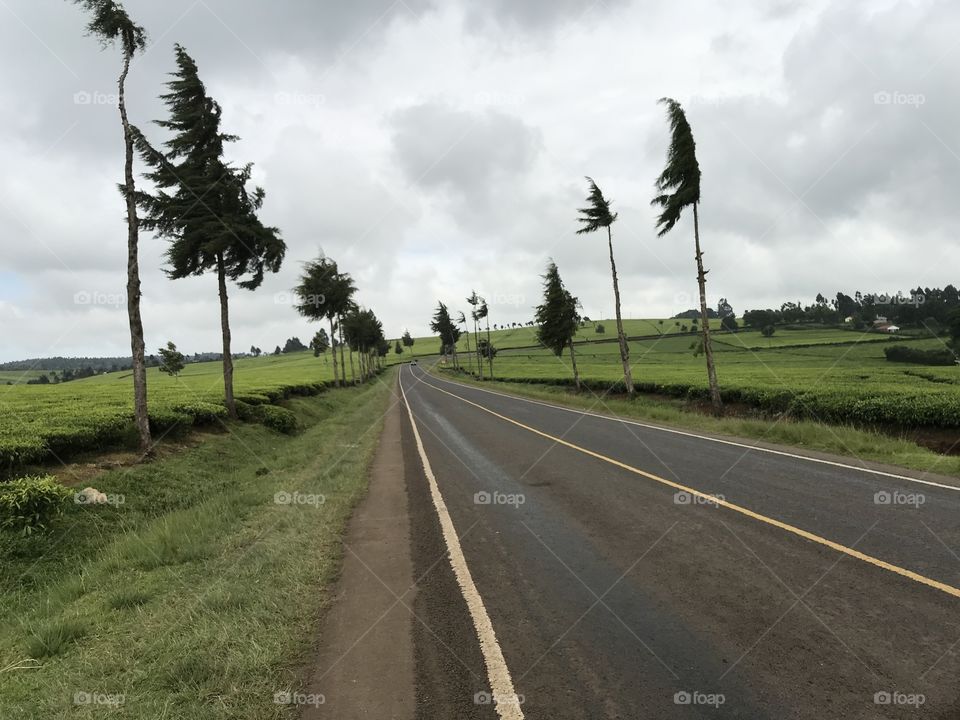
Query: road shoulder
point(365, 663)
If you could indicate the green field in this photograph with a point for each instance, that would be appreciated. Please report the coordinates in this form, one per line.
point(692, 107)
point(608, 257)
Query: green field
point(833, 375)
point(198, 595)
point(40, 420)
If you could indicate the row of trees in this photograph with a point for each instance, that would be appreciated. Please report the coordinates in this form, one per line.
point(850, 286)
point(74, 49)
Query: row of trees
point(201, 203)
point(678, 188)
point(325, 293)
point(930, 308)
point(448, 328)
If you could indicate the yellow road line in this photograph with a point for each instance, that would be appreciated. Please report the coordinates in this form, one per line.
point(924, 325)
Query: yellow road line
point(916, 577)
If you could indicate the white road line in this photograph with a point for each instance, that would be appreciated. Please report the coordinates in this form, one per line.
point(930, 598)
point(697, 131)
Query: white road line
point(505, 698)
point(704, 437)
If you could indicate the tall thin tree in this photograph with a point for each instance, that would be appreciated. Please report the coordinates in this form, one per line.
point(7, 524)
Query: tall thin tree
point(202, 204)
point(474, 301)
point(678, 187)
point(109, 22)
point(593, 217)
point(462, 320)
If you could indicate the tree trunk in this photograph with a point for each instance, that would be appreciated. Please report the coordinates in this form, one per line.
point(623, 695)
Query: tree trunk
point(133, 275)
point(476, 332)
point(489, 347)
point(573, 361)
point(353, 373)
point(333, 351)
point(624, 348)
point(343, 363)
point(707, 346)
point(225, 329)
point(469, 356)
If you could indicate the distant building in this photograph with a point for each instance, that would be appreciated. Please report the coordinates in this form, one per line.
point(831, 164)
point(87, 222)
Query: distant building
point(891, 329)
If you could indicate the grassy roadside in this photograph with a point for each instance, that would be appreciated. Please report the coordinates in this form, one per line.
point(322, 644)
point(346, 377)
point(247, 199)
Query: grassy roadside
point(198, 596)
point(836, 439)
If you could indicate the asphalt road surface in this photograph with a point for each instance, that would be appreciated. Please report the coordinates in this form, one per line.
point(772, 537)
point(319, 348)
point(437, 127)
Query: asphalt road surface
point(573, 566)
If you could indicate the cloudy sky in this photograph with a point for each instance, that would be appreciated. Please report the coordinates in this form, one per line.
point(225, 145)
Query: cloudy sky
point(437, 146)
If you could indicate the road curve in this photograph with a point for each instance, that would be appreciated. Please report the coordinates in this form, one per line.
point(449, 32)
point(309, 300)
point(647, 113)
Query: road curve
point(625, 571)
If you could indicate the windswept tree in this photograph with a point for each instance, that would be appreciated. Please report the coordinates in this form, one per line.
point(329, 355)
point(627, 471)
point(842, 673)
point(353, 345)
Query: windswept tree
point(449, 333)
point(109, 23)
point(202, 204)
point(320, 342)
point(476, 302)
point(408, 341)
point(597, 215)
point(172, 360)
point(462, 320)
point(363, 332)
point(558, 319)
point(318, 298)
point(679, 187)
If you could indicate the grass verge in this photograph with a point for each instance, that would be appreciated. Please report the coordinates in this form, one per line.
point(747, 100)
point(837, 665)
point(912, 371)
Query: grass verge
point(198, 595)
point(839, 440)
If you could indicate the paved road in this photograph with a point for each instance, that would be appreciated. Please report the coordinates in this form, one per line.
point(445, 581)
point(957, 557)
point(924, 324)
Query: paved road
point(594, 575)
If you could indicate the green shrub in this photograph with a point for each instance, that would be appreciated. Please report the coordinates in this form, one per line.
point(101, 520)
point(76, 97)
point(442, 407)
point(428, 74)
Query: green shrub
point(164, 420)
point(203, 413)
point(278, 418)
point(900, 353)
point(252, 399)
point(31, 503)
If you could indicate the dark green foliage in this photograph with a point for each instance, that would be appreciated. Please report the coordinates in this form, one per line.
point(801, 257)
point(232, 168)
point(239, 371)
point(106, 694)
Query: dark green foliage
point(320, 342)
point(202, 413)
point(293, 345)
point(444, 326)
point(30, 504)
point(398, 348)
point(277, 418)
point(202, 205)
point(109, 22)
point(768, 331)
point(679, 183)
point(171, 360)
point(729, 322)
point(597, 214)
point(557, 317)
point(900, 353)
point(599, 329)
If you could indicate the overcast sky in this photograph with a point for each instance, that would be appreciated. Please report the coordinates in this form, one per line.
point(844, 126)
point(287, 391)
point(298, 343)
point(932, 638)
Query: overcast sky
point(433, 147)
